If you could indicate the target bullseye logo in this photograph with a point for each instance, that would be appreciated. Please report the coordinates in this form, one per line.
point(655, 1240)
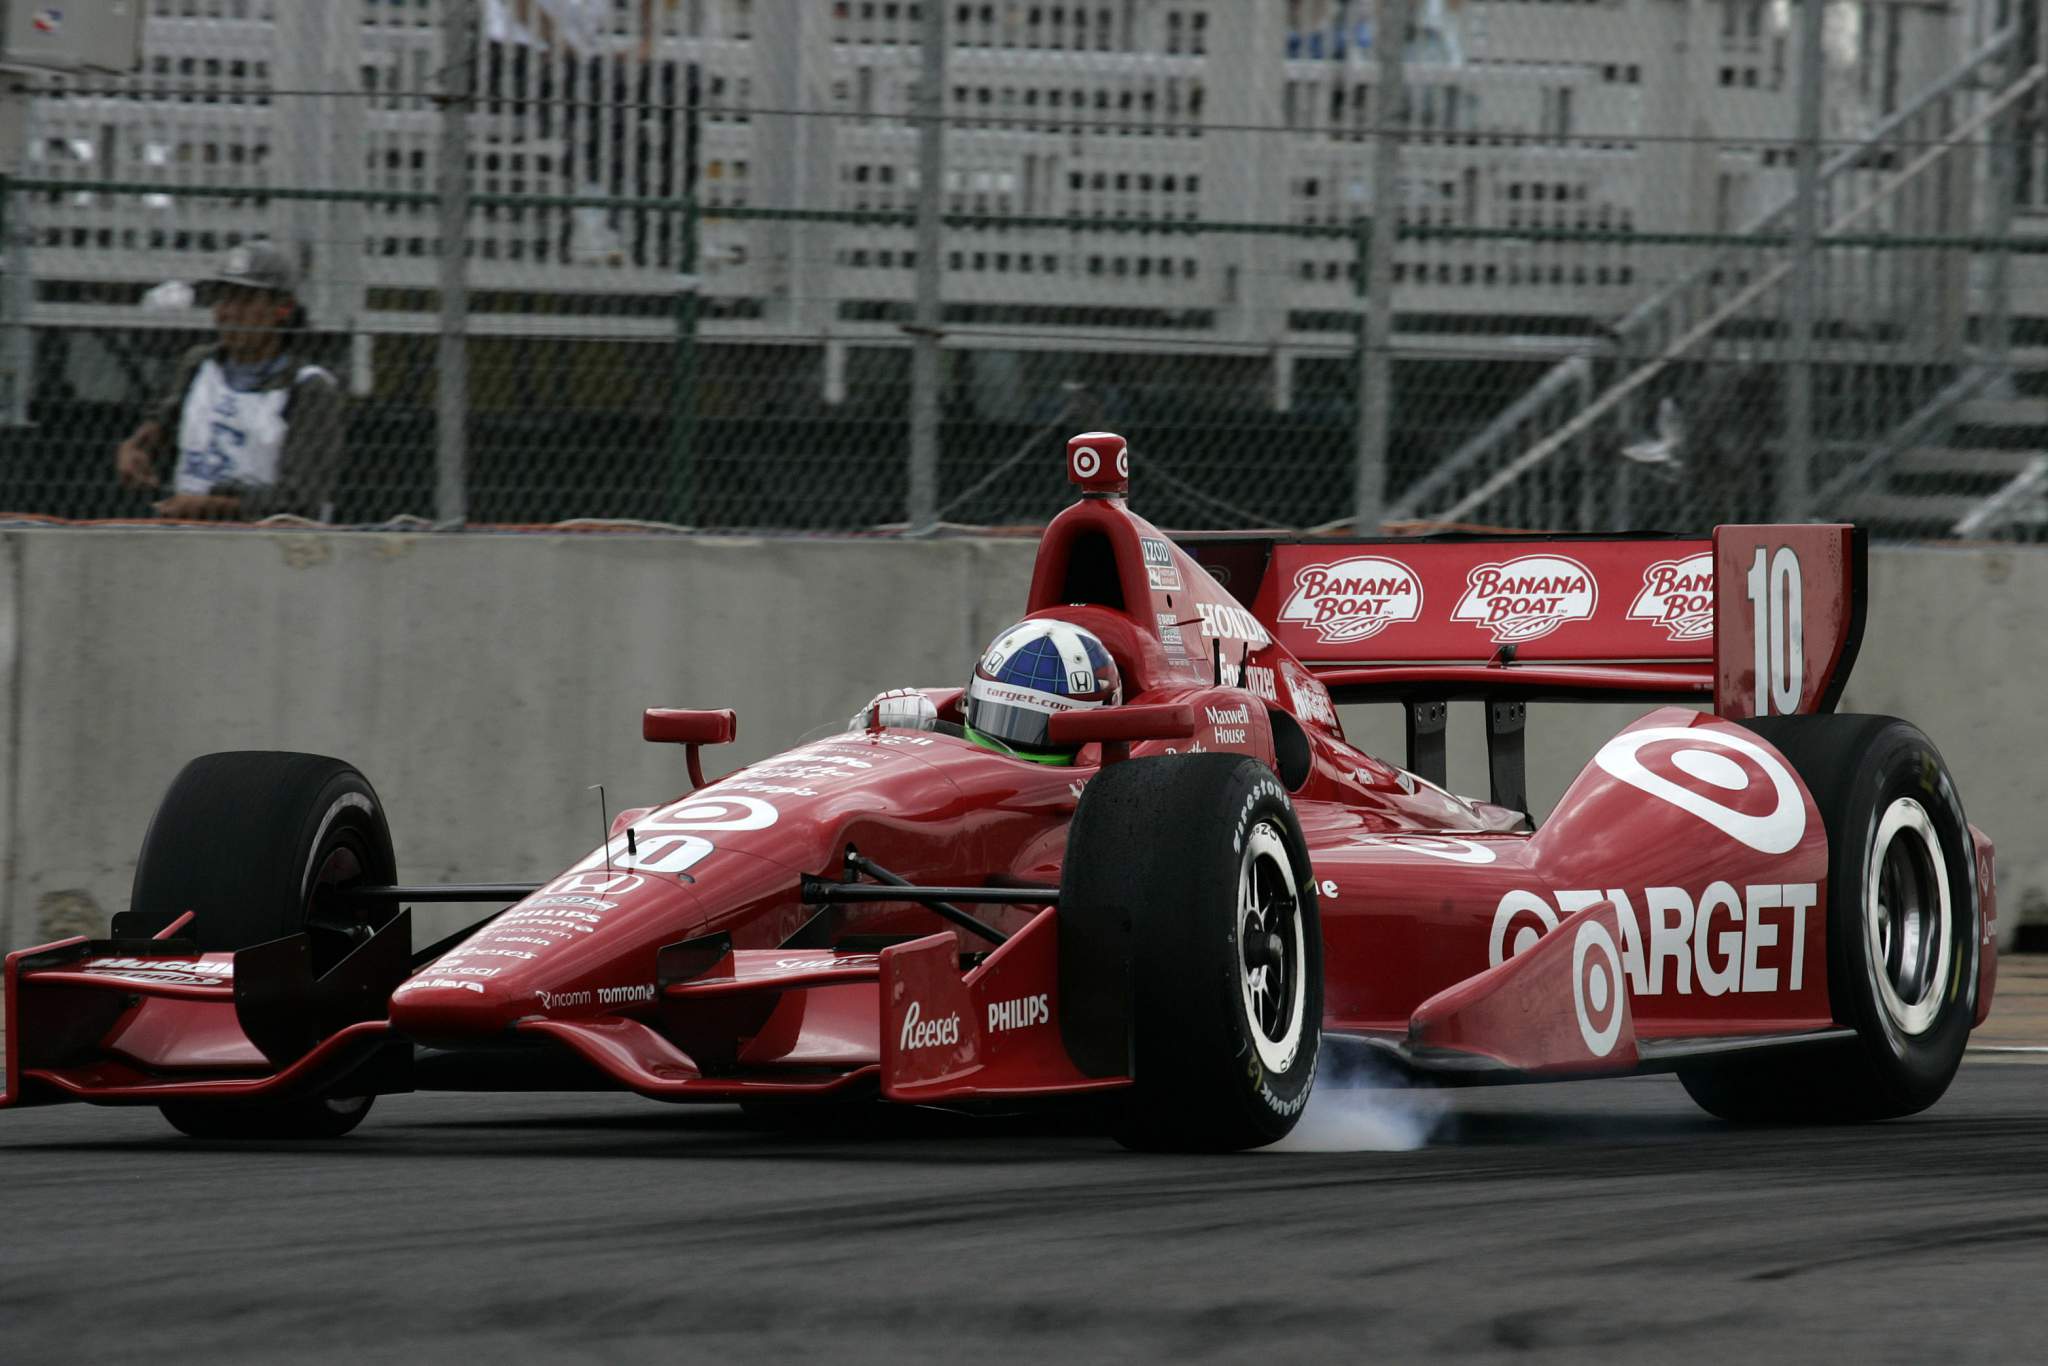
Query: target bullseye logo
point(1709, 758)
point(1447, 847)
point(1519, 921)
point(1597, 987)
point(1099, 462)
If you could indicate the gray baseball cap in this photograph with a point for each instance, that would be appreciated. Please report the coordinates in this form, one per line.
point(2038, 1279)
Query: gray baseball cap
point(258, 264)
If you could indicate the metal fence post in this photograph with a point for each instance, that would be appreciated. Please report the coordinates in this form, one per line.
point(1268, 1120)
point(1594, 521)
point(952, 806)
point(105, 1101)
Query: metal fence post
point(2002, 195)
point(682, 389)
point(17, 292)
point(1795, 471)
point(929, 107)
point(451, 407)
point(1376, 360)
point(1362, 370)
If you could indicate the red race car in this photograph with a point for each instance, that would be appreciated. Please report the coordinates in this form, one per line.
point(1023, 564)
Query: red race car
point(1133, 859)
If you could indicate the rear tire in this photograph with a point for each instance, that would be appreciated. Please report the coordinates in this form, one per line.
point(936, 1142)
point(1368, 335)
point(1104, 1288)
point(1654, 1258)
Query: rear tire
point(1203, 854)
point(246, 841)
point(1902, 938)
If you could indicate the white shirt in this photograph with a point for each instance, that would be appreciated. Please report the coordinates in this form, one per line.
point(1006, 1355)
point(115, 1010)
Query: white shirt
point(227, 435)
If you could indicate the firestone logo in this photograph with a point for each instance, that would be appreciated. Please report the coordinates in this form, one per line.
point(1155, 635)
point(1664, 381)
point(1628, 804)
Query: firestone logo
point(918, 1033)
point(1679, 596)
point(1529, 597)
point(1353, 599)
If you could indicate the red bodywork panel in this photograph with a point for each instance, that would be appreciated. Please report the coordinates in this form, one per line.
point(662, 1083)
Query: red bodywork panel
point(1676, 894)
point(1509, 1012)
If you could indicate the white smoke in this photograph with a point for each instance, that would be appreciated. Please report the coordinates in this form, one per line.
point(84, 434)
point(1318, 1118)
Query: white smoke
point(1364, 1106)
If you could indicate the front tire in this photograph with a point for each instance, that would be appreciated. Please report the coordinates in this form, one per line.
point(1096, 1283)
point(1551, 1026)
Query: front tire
point(249, 841)
point(319, 1117)
point(1203, 854)
point(1902, 938)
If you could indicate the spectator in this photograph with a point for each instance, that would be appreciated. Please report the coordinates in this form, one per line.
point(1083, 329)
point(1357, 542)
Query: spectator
point(252, 427)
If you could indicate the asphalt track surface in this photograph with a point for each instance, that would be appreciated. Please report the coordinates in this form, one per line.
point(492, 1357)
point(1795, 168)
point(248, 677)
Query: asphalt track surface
point(1603, 1221)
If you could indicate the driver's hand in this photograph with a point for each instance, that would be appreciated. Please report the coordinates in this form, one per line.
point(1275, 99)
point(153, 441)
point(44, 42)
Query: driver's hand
point(905, 708)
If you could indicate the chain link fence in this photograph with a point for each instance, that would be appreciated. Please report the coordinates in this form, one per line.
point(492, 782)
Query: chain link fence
point(1629, 278)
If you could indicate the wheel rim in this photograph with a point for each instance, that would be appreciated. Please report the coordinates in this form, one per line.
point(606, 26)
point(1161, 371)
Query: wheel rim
point(1906, 919)
point(1271, 948)
point(331, 924)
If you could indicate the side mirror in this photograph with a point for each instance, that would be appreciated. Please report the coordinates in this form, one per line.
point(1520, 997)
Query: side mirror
point(680, 726)
point(1116, 727)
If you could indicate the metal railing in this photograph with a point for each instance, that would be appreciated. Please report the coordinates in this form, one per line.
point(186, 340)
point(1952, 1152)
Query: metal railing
point(1508, 472)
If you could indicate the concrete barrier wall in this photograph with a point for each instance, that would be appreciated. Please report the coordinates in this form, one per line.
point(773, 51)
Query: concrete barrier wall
point(485, 682)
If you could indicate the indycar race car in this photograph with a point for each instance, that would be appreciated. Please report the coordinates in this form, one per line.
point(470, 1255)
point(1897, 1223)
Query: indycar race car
point(1210, 895)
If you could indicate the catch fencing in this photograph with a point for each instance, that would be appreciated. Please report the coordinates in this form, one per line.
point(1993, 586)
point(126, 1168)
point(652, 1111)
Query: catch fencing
point(794, 265)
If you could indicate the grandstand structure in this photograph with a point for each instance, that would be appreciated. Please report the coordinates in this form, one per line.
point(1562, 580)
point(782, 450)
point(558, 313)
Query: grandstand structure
point(1561, 163)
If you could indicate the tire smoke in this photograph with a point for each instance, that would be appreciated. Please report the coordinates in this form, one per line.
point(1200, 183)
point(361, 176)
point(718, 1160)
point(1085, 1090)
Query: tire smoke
point(1362, 1105)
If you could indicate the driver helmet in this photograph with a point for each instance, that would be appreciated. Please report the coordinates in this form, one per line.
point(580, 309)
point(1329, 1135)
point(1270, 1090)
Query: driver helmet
point(1031, 671)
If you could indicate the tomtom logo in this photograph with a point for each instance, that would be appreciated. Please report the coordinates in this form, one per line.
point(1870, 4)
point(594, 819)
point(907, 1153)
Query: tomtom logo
point(1529, 597)
point(1679, 596)
point(1353, 599)
point(917, 1033)
point(1022, 1013)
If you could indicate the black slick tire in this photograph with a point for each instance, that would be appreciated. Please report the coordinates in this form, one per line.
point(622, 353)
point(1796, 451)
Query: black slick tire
point(318, 1117)
point(1202, 855)
point(1902, 940)
point(245, 840)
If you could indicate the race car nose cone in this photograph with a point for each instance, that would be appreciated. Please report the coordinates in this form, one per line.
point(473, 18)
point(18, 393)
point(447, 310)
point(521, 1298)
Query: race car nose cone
point(441, 1006)
point(1100, 462)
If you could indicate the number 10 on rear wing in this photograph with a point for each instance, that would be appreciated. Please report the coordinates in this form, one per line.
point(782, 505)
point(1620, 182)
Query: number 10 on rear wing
point(1789, 604)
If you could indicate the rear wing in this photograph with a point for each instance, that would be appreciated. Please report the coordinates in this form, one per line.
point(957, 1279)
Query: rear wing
point(1762, 620)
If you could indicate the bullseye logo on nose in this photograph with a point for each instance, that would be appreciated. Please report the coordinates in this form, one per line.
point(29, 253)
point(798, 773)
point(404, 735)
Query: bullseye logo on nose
point(1526, 598)
point(1597, 987)
point(1711, 780)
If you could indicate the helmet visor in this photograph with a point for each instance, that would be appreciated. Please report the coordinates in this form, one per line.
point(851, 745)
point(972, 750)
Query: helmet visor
point(1025, 727)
